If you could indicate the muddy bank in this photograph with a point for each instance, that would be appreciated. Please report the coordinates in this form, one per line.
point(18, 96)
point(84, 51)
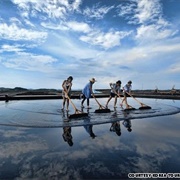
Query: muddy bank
point(100, 93)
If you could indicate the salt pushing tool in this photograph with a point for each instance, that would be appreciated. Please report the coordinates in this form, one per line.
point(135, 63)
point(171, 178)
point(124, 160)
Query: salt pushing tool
point(77, 113)
point(101, 109)
point(143, 106)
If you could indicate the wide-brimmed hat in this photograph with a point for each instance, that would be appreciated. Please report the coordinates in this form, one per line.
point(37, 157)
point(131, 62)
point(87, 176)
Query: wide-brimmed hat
point(92, 80)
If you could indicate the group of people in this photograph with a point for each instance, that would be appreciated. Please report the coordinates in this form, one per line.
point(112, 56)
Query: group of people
point(87, 92)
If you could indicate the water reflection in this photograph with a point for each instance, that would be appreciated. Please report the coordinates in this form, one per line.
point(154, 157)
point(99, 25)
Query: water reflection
point(41, 154)
point(127, 124)
point(69, 152)
point(115, 127)
point(67, 135)
point(89, 127)
point(89, 130)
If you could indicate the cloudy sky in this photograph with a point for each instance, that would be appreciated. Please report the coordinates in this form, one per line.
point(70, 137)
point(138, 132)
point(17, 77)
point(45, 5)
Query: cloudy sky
point(43, 42)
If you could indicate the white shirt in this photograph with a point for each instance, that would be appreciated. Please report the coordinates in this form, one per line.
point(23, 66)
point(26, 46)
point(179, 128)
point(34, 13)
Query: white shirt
point(115, 88)
point(127, 88)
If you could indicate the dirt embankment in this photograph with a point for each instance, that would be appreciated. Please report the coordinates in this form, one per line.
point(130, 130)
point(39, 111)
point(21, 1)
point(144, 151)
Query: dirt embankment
point(21, 93)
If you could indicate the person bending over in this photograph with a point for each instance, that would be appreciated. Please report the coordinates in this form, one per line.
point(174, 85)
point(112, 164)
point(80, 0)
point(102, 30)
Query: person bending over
point(126, 90)
point(66, 92)
point(87, 91)
point(115, 92)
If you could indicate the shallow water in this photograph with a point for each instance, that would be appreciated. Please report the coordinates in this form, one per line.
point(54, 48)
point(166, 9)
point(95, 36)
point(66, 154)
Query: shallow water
point(48, 113)
point(36, 142)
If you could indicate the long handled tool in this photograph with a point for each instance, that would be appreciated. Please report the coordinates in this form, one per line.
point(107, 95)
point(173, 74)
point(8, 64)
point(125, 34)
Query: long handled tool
point(143, 106)
point(131, 108)
point(101, 109)
point(77, 113)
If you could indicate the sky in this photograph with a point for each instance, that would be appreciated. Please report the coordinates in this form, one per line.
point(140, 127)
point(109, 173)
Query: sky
point(44, 42)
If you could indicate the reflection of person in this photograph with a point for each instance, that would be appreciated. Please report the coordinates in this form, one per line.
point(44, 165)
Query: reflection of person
point(89, 130)
point(87, 91)
point(115, 127)
point(127, 124)
point(115, 91)
point(67, 135)
point(6, 98)
point(126, 89)
point(66, 90)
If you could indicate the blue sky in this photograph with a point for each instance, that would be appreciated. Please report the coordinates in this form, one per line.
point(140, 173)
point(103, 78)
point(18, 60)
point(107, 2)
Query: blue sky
point(44, 42)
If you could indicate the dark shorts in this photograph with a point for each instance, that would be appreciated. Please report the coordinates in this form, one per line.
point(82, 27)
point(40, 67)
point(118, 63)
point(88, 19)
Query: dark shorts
point(126, 95)
point(112, 94)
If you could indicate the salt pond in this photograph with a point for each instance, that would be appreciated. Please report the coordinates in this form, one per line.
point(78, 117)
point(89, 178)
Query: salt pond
point(36, 140)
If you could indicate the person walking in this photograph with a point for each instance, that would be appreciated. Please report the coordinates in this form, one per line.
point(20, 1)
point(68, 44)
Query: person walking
point(126, 90)
point(87, 91)
point(66, 91)
point(115, 91)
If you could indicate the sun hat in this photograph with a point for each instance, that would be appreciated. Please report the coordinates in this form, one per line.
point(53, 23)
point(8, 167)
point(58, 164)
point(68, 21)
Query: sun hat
point(92, 80)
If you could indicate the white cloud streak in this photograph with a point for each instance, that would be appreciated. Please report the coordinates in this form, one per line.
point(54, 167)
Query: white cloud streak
point(148, 16)
point(30, 62)
point(16, 33)
point(105, 40)
point(53, 9)
point(97, 11)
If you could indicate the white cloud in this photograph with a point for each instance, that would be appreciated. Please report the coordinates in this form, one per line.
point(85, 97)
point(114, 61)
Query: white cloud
point(66, 26)
point(105, 40)
point(54, 26)
point(152, 32)
point(13, 32)
point(80, 27)
point(97, 11)
point(53, 9)
point(29, 62)
point(147, 11)
point(127, 9)
point(141, 11)
point(67, 48)
point(148, 16)
point(11, 48)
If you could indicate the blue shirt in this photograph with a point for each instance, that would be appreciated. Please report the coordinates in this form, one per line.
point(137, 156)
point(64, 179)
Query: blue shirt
point(87, 90)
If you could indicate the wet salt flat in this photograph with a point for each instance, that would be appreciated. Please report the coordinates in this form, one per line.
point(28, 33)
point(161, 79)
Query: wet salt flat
point(37, 141)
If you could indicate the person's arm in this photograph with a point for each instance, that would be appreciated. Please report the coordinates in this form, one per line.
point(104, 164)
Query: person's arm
point(64, 87)
point(125, 88)
point(113, 87)
point(118, 91)
point(91, 90)
point(69, 88)
point(130, 89)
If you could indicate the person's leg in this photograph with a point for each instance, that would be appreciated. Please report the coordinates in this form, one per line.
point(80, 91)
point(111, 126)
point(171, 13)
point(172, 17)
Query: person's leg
point(88, 102)
point(67, 104)
point(108, 101)
point(64, 101)
point(82, 102)
point(124, 99)
point(115, 101)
